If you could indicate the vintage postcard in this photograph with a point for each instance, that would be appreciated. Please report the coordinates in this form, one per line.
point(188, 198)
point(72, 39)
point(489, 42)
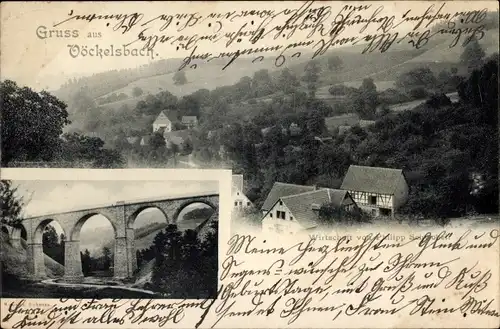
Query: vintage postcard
point(231, 164)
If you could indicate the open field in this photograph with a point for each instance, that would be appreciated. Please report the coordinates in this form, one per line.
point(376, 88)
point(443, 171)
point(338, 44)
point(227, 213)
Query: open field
point(205, 76)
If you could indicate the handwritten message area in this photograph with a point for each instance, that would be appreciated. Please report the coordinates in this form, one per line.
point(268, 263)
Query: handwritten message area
point(425, 279)
point(278, 31)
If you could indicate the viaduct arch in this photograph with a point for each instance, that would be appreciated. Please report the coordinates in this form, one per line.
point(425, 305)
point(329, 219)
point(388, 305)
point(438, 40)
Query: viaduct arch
point(121, 215)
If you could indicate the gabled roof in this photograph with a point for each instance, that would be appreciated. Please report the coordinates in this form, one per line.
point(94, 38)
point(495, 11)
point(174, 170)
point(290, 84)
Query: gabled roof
point(162, 118)
point(300, 205)
point(280, 190)
point(371, 179)
point(238, 182)
point(189, 119)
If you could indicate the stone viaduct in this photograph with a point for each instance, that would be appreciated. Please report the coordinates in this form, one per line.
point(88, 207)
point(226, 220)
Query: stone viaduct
point(121, 215)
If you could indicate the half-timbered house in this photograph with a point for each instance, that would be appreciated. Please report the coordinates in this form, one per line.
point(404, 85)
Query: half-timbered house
point(292, 214)
point(379, 191)
point(279, 190)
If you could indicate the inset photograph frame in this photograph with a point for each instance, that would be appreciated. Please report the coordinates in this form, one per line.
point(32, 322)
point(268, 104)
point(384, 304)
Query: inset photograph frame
point(131, 233)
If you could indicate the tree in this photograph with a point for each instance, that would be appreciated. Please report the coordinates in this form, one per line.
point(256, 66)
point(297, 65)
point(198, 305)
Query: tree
point(107, 260)
point(473, 55)
point(315, 123)
point(335, 63)
point(157, 141)
point(287, 81)
point(262, 84)
point(180, 78)
point(370, 97)
point(243, 88)
point(332, 214)
point(417, 78)
point(11, 203)
point(365, 100)
point(209, 257)
point(185, 263)
point(31, 123)
point(86, 262)
point(84, 149)
point(332, 161)
point(167, 245)
point(50, 239)
point(481, 89)
point(311, 77)
point(52, 247)
point(189, 105)
point(136, 92)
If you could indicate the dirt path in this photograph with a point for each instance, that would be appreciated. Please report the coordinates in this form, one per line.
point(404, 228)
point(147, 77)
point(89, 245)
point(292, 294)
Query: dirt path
point(99, 286)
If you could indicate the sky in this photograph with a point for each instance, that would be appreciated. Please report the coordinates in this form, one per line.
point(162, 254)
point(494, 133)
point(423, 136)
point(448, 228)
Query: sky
point(45, 197)
point(45, 62)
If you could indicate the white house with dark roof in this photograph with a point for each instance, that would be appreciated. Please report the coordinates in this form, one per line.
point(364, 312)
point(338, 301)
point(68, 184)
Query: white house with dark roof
point(300, 212)
point(379, 191)
point(190, 121)
point(162, 121)
point(281, 190)
point(240, 200)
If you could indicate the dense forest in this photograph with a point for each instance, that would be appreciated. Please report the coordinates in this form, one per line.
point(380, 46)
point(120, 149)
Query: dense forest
point(97, 265)
point(32, 132)
point(448, 150)
point(185, 263)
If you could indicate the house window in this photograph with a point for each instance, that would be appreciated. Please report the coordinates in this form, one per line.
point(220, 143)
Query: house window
point(237, 193)
point(281, 203)
point(373, 199)
point(236, 203)
point(291, 218)
point(241, 203)
point(280, 214)
point(248, 203)
point(271, 214)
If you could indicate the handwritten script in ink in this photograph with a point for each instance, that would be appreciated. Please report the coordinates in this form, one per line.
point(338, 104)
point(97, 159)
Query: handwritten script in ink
point(425, 276)
point(286, 33)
